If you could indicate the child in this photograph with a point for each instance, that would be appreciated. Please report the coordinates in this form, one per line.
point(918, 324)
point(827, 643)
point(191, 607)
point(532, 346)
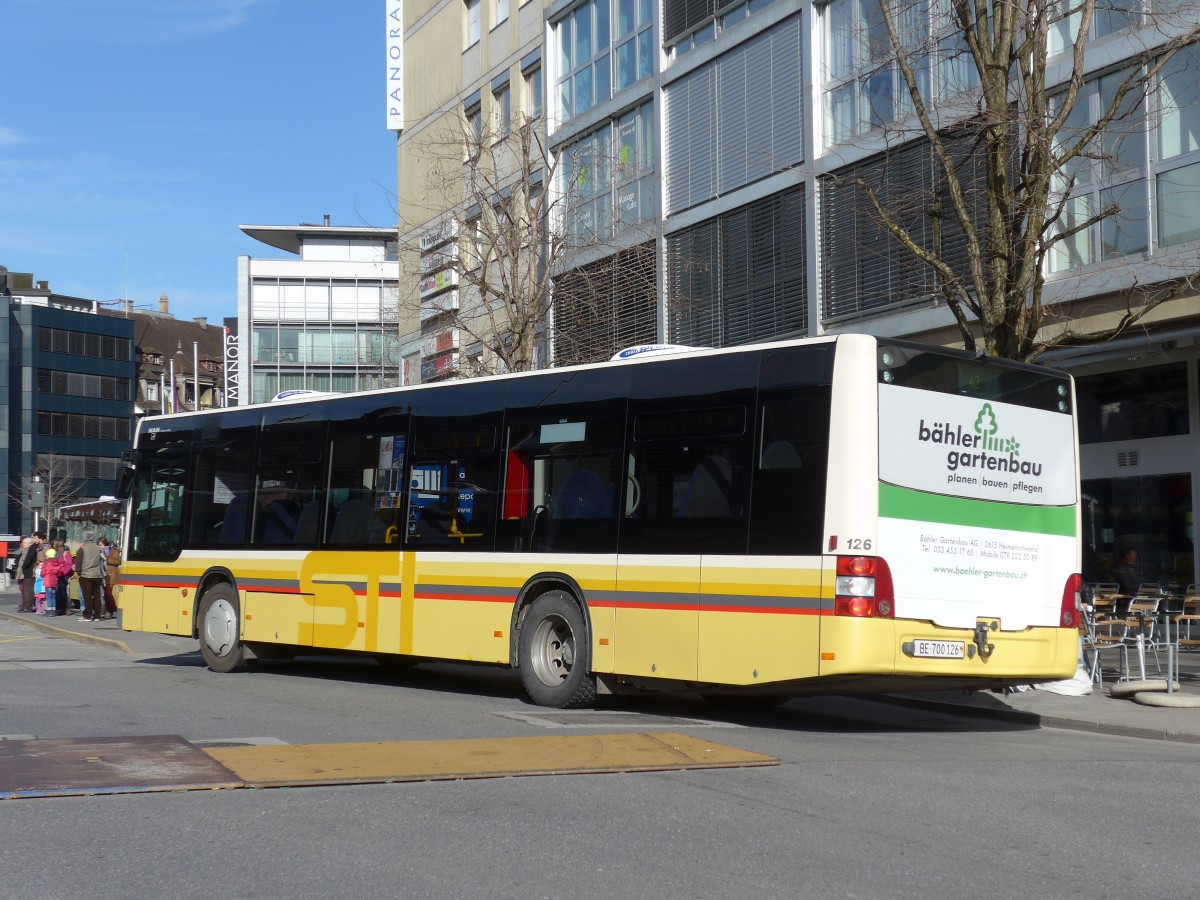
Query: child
point(39, 585)
point(66, 569)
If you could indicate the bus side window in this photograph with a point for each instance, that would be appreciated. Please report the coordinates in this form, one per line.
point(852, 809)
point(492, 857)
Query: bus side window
point(291, 475)
point(687, 487)
point(367, 485)
point(787, 511)
point(560, 484)
point(452, 488)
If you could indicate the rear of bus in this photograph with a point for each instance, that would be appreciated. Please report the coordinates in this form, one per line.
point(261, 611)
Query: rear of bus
point(957, 566)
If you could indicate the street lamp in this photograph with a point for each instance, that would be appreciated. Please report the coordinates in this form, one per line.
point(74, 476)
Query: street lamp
point(37, 499)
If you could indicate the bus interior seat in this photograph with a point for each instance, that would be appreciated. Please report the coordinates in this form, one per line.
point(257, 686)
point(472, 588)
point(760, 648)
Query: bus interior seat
point(706, 495)
point(353, 522)
point(583, 495)
point(781, 455)
point(280, 522)
point(233, 526)
point(308, 523)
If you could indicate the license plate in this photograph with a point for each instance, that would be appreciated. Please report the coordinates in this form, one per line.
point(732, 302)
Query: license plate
point(939, 649)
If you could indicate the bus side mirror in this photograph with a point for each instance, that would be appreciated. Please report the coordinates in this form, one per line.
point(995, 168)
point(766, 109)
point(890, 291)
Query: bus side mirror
point(125, 479)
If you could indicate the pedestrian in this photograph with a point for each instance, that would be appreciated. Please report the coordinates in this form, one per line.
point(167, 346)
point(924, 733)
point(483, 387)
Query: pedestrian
point(29, 563)
point(66, 571)
point(89, 563)
point(46, 597)
point(39, 586)
point(112, 563)
point(14, 562)
point(1129, 576)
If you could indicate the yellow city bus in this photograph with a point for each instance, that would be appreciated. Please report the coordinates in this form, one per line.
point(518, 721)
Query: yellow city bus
point(834, 515)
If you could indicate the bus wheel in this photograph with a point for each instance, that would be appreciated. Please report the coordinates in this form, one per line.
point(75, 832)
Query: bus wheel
point(555, 655)
point(220, 641)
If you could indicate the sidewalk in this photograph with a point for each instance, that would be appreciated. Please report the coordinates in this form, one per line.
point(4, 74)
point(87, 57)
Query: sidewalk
point(105, 633)
point(1097, 712)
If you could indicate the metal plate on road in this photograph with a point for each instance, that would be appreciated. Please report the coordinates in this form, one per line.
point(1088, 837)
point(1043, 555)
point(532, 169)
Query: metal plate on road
point(108, 765)
point(453, 760)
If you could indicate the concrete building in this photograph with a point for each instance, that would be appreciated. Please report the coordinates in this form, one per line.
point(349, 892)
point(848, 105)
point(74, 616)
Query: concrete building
point(736, 126)
point(325, 320)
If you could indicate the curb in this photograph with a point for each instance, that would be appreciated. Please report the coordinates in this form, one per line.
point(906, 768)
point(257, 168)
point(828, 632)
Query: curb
point(1042, 721)
point(81, 636)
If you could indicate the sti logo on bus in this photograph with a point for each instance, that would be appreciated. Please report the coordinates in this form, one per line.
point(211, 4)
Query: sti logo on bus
point(984, 449)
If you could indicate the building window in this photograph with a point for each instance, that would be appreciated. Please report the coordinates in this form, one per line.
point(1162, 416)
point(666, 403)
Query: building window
point(501, 12)
point(863, 86)
point(1178, 183)
point(635, 41)
point(82, 343)
point(608, 178)
point(864, 268)
point(1150, 514)
point(737, 119)
point(741, 276)
point(1147, 200)
point(80, 384)
point(472, 22)
point(605, 306)
point(1133, 404)
point(688, 24)
point(106, 428)
point(502, 110)
point(1109, 18)
point(473, 113)
point(533, 92)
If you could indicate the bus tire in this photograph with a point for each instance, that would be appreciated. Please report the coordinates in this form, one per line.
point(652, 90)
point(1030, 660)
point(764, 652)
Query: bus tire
point(555, 653)
point(220, 630)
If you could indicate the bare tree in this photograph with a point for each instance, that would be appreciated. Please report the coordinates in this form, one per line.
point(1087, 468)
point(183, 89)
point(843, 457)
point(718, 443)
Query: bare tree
point(59, 485)
point(519, 217)
point(1005, 156)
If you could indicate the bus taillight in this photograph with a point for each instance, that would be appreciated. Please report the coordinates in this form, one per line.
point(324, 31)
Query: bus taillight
point(1070, 601)
point(864, 588)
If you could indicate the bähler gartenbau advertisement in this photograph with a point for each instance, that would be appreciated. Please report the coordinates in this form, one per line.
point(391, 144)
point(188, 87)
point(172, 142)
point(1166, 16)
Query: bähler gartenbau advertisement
point(977, 509)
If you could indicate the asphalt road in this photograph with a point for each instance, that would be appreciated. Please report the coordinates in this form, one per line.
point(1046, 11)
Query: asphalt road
point(873, 799)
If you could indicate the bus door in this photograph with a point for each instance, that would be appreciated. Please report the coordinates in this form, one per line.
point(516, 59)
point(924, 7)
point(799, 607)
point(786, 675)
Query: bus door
point(354, 579)
point(562, 472)
point(772, 628)
point(686, 496)
point(150, 602)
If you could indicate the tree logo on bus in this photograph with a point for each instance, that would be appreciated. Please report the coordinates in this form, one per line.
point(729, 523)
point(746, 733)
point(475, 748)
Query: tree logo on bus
point(983, 450)
point(987, 426)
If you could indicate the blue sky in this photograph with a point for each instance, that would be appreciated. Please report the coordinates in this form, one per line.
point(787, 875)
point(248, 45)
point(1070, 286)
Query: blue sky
point(149, 130)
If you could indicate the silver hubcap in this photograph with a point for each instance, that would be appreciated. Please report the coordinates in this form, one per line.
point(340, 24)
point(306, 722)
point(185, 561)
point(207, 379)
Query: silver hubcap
point(220, 627)
point(553, 651)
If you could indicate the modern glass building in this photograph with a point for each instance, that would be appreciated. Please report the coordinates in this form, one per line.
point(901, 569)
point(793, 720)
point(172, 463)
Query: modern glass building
point(325, 320)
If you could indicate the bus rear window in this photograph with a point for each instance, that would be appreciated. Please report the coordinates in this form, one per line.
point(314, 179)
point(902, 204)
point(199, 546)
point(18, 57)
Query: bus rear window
point(949, 373)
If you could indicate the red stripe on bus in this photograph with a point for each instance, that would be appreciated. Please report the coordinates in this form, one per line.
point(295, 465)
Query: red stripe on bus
point(469, 598)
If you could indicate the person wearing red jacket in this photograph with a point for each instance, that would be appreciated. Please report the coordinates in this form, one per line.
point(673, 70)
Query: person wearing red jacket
point(64, 570)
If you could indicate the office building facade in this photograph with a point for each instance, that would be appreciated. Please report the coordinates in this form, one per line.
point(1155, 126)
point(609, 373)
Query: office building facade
point(733, 131)
point(325, 320)
point(66, 402)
